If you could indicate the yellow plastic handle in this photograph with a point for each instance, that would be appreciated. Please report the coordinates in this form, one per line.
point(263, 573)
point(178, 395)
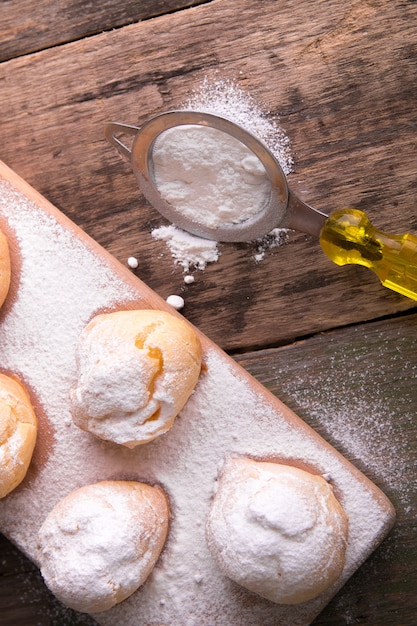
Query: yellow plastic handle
point(349, 237)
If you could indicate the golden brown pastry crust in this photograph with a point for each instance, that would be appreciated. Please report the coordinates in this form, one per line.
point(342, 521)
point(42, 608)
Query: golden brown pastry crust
point(100, 543)
point(277, 530)
point(136, 370)
point(18, 430)
point(5, 269)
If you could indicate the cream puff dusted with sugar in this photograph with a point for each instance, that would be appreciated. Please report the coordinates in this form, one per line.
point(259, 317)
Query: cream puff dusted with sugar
point(136, 370)
point(18, 430)
point(277, 530)
point(5, 269)
point(100, 543)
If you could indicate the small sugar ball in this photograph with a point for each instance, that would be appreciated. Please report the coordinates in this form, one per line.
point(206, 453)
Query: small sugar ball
point(176, 301)
point(188, 279)
point(132, 262)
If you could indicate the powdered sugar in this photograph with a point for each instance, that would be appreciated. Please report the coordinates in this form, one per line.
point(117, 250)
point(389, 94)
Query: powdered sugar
point(277, 237)
point(277, 530)
point(364, 425)
point(61, 285)
point(98, 545)
point(225, 99)
point(208, 176)
point(188, 251)
point(63, 261)
point(228, 100)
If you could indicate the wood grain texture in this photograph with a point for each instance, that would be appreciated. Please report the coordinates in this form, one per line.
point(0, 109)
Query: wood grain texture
point(27, 26)
point(342, 79)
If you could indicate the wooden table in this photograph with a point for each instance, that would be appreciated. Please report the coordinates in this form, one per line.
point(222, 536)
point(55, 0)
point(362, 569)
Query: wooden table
point(331, 342)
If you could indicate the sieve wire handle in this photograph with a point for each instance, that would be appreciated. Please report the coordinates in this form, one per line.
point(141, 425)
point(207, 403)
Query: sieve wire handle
point(112, 130)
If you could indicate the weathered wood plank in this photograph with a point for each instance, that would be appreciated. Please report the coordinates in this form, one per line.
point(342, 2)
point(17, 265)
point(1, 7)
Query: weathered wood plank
point(26, 26)
point(342, 77)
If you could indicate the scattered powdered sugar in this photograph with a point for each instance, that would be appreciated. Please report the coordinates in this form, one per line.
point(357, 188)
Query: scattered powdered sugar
point(277, 237)
point(61, 284)
point(227, 100)
point(366, 431)
point(187, 250)
point(54, 264)
point(370, 425)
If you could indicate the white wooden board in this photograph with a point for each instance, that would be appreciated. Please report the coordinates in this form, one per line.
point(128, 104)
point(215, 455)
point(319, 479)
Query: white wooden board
point(61, 278)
